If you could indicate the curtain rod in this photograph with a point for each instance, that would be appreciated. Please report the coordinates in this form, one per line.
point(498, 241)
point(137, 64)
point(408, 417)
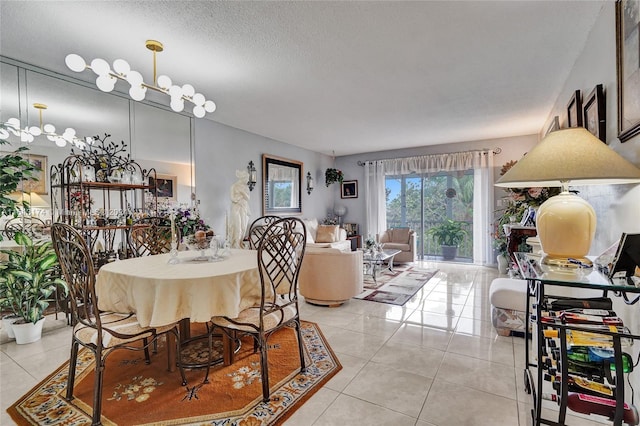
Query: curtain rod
point(497, 150)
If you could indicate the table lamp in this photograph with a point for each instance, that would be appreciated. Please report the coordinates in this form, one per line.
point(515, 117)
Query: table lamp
point(566, 224)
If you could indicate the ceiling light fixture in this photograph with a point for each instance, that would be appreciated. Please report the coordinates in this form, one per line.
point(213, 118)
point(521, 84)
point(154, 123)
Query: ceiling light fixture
point(29, 133)
point(107, 79)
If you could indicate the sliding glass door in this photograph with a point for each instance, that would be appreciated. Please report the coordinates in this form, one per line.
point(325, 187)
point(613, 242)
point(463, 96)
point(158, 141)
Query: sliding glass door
point(423, 201)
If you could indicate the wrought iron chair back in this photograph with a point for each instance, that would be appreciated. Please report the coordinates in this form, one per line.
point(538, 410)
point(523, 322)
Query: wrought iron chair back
point(33, 227)
point(100, 332)
point(280, 254)
point(151, 236)
point(258, 228)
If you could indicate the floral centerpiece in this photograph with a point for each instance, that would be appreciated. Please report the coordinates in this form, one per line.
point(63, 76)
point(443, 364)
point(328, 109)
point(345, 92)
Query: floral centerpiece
point(188, 220)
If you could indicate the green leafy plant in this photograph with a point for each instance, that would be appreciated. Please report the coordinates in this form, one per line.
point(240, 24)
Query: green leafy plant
point(29, 278)
point(14, 169)
point(448, 233)
point(332, 176)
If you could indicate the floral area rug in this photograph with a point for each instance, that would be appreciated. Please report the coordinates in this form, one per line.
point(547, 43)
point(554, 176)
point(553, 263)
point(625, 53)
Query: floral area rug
point(138, 394)
point(397, 287)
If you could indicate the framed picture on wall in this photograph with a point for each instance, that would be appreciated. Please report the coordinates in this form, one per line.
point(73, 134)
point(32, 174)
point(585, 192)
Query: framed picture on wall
point(349, 189)
point(574, 110)
point(555, 125)
point(628, 67)
point(39, 186)
point(595, 113)
point(164, 186)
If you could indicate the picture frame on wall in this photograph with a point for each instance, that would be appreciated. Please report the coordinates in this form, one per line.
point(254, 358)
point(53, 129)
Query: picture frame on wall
point(555, 125)
point(349, 189)
point(39, 186)
point(164, 186)
point(574, 110)
point(628, 67)
point(595, 113)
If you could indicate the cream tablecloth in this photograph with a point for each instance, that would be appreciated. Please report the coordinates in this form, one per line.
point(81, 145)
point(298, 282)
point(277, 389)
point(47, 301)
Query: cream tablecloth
point(161, 294)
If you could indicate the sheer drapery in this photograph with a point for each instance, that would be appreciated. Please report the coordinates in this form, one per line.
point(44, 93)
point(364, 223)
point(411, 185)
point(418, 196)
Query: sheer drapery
point(483, 211)
point(481, 162)
point(374, 192)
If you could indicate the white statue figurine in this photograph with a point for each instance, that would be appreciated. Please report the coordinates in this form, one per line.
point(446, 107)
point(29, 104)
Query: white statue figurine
point(240, 211)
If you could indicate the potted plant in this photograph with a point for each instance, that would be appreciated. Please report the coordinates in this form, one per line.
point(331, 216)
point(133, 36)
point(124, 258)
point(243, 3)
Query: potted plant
point(28, 279)
point(449, 234)
point(332, 175)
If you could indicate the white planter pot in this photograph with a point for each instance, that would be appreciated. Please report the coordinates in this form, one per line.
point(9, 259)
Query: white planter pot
point(29, 332)
point(7, 321)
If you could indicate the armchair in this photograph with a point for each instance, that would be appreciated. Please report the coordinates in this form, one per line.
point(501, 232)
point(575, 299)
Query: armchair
point(403, 239)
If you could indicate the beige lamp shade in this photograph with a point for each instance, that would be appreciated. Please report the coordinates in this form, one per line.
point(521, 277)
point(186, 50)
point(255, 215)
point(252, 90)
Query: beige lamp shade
point(32, 198)
point(566, 223)
point(570, 155)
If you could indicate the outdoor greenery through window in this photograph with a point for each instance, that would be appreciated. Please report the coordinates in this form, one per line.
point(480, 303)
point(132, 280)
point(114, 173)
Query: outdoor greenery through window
point(421, 202)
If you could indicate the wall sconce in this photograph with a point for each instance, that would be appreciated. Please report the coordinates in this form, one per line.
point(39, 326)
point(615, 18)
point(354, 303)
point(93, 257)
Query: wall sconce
point(253, 178)
point(309, 183)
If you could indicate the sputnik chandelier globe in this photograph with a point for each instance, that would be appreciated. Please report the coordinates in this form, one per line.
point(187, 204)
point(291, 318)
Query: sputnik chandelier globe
point(107, 79)
point(29, 133)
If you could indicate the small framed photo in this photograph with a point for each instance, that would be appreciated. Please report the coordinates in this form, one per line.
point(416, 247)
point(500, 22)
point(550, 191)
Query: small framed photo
point(41, 185)
point(574, 110)
point(164, 186)
point(349, 189)
point(595, 113)
point(628, 68)
point(351, 228)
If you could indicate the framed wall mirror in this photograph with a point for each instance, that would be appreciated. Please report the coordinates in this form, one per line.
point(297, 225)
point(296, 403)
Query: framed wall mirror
point(282, 185)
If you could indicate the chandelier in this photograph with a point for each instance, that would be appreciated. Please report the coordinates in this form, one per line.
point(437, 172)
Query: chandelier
point(29, 133)
point(107, 79)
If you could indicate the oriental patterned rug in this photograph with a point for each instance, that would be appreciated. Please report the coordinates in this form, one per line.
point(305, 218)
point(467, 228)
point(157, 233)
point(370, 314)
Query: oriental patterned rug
point(397, 287)
point(138, 394)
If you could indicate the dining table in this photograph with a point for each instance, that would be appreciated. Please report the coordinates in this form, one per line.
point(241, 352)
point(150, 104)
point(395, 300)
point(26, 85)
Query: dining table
point(190, 291)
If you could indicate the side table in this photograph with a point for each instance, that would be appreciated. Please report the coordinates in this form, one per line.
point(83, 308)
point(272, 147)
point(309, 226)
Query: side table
point(356, 242)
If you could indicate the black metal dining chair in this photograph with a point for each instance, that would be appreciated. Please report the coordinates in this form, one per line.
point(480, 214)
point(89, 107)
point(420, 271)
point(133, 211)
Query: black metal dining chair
point(258, 228)
point(151, 235)
point(280, 254)
point(100, 332)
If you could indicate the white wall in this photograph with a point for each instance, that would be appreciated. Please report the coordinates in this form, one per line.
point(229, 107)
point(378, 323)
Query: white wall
point(220, 150)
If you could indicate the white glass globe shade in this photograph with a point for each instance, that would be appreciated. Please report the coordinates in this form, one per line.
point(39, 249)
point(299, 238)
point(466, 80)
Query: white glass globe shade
point(340, 210)
point(75, 62)
point(100, 66)
point(137, 93)
point(164, 81)
point(199, 111)
point(177, 105)
point(35, 130)
point(69, 133)
point(4, 134)
point(134, 78)
point(49, 128)
point(209, 106)
point(13, 122)
point(52, 138)
point(198, 99)
point(24, 137)
point(89, 140)
point(188, 90)
point(121, 66)
point(175, 91)
point(106, 83)
point(61, 142)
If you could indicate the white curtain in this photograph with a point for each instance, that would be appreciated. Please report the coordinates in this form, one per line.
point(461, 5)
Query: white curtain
point(481, 162)
point(374, 192)
point(483, 211)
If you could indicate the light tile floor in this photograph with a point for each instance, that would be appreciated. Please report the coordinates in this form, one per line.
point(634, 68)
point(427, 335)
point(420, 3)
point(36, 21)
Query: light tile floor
point(435, 361)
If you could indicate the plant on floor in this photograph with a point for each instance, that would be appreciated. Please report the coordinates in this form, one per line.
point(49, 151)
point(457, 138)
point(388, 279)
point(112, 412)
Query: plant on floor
point(29, 278)
point(448, 233)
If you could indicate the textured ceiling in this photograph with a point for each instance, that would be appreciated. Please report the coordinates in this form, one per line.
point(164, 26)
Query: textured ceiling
point(348, 77)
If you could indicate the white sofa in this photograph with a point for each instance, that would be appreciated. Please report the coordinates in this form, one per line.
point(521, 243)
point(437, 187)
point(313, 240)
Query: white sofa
point(326, 236)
